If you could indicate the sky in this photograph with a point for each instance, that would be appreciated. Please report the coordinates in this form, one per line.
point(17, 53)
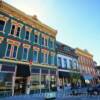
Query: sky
point(77, 21)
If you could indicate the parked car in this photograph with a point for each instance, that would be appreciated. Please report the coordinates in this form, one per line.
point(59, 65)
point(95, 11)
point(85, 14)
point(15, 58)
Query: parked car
point(95, 90)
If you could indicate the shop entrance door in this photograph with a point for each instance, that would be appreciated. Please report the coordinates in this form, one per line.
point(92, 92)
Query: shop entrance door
point(20, 86)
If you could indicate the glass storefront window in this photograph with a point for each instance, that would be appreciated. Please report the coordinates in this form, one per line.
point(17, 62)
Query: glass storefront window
point(35, 85)
point(5, 83)
point(45, 82)
point(52, 83)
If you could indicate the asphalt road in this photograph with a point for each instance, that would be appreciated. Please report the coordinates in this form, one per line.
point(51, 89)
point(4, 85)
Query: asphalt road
point(58, 98)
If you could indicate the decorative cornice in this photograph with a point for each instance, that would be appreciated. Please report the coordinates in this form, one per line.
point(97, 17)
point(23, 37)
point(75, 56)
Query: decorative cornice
point(27, 19)
point(26, 46)
point(13, 42)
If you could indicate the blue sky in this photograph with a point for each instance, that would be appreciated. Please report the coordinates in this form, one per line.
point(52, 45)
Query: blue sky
point(77, 21)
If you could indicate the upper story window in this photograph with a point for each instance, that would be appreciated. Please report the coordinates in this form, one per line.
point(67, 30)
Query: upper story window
point(2, 24)
point(25, 53)
point(46, 42)
point(27, 35)
point(42, 57)
point(43, 41)
point(3, 20)
point(51, 43)
point(71, 64)
point(15, 28)
point(59, 62)
point(11, 51)
point(46, 58)
point(36, 38)
point(35, 56)
point(65, 63)
point(18, 31)
point(12, 30)
point(8, 50)
point(52, 59)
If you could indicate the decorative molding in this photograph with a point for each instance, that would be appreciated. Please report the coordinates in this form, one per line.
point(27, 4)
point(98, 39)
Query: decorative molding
point(26, 46)
point(1, 39)
point(13, 42)
point(27, 19)
point(28, 29)
point(4, 18)
point(36, 48)
point(45, 51)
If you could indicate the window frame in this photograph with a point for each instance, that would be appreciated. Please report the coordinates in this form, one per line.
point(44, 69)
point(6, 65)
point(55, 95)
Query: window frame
point(27, 54)
point(25, 35)
point(36, 57)
point(3, 26)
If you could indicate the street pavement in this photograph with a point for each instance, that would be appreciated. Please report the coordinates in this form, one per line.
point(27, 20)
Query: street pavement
point(58, 98)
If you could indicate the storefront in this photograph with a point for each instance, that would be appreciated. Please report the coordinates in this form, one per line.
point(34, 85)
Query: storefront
point(7, 73)
point(43, 80)
point(64, 78)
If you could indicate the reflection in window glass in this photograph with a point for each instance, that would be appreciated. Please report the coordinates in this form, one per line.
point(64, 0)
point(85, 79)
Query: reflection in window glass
point(2, 23)
point(35, 88)
point(5, 82)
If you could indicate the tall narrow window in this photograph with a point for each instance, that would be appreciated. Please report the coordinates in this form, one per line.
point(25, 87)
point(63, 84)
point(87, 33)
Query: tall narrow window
point(27, 35)
point(35, 56)
point(42, 41)
point(52, 59)
point(36, 38)
point(59, 62)
point(46, 42)
point(14, 51)
point(42, 57)
point(12, 29)
point(25, 53)
point(46, 58)
point(2, 23)
point(18, 31)
point(65, 63)
point(8, 50)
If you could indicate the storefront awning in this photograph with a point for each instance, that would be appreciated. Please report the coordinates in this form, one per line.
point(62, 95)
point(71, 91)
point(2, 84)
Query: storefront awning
point(88, 77)
point(64, 74)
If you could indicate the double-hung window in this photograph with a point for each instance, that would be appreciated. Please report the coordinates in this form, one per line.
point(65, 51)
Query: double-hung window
point(59, 62)
point(13, 30)
point(2, 24)
point(65, 63)
point(46, 58)
point(27, 35)
point(11, 51)
point(15, 51)
point(35, 56)
point(35, 38)
point(25, 53)
point(42, 41)
point(42, 57)
point(18, 31)
point(46, 42)
point(8, 51)
point(52, 59)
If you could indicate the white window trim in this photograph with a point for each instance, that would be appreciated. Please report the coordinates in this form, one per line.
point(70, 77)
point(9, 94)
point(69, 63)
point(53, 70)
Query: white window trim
point(12, 48)
point(6, 51)
point(27, 54)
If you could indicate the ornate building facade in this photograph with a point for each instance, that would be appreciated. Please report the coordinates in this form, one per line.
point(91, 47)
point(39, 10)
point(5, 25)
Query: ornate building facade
point(67, 63)
point(27, 53)
point(86, 64)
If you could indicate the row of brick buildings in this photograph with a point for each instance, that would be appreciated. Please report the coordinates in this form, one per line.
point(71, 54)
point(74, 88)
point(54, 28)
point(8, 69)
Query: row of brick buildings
point(31, 60)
